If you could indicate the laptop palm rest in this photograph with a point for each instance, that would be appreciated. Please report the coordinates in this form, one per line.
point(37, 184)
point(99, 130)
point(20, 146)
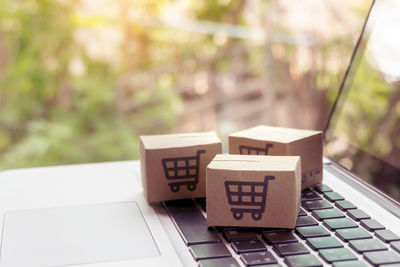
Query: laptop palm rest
point(76, 235)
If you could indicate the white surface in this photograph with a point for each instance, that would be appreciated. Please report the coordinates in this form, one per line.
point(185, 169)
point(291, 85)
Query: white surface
point(85, 184)
point(73, 235)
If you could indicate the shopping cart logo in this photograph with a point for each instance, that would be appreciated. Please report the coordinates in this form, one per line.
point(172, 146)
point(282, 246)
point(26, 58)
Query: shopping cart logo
point(308, 176)
point(247, 197)
point(183, 171)
point(250, 150)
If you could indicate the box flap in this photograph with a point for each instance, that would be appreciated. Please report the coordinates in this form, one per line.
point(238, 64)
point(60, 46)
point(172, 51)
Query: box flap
point(179, 140)
point(274, 134)
point(253, 162)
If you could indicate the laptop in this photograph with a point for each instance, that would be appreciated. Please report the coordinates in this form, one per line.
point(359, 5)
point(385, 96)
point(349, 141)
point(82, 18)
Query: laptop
point(96, 214)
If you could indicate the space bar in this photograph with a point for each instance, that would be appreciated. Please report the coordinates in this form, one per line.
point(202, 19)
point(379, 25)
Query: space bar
point(190, 222)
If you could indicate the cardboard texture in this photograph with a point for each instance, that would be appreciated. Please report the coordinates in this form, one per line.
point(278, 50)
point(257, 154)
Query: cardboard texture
point(276, 141)
point(174, 166)
point(253, 191)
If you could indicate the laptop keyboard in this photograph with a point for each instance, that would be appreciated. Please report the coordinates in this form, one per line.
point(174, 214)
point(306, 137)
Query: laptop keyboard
point(329, 231)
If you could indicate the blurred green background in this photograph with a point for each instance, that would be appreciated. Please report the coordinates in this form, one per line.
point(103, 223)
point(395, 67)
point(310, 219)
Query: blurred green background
point(80, 80)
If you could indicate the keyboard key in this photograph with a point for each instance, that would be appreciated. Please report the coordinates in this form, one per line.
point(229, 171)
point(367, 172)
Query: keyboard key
point(387, 236)
point(367, 245)
point(372, 225)
point(302, 212)
point(290, 249)
point(358, 214)
point(316, 205)
point(202, 203)
point(305, 221)
point(306, 260)
point(227, 228)
point(352, 234)
point(337, 254)
point(345, 205)
point(341, 223)
point(333, 196)
point(274, 230)
point(321, 188)
point(279, 237)
point(350, 264)
point(395, 246)
point(312, 231)
point(251, 245)
point(318, 243)
point(191, 223)
point(257, 258)
point(209, 251)
point(328, 214)
point(230, 262)
point(382, 257)
point(238, 235)
point(309, 195)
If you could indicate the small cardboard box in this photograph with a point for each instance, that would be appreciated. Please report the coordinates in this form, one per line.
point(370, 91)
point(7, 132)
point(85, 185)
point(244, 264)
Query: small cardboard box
point(253, 191)
point(174, 166)
point(276, 141)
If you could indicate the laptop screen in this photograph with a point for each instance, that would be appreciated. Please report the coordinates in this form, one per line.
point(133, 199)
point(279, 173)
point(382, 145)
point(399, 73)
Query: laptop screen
point(364, 130)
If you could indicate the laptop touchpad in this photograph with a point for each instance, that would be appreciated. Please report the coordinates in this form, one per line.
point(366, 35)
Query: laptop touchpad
point(76, 235)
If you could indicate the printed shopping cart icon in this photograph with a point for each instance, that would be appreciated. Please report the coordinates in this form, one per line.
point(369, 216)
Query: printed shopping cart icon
point(250, 150)
point(308, 177)
point(183, 171)
point(247, 197)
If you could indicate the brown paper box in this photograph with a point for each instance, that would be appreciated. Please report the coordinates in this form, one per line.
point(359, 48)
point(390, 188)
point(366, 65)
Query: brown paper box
point(253, 191)
point(276, 141)
point(174, 166)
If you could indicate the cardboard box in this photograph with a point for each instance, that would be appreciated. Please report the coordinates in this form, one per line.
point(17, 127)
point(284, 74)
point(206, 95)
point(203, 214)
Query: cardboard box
point(174, 166)
point(276, 141)
point(253, 191)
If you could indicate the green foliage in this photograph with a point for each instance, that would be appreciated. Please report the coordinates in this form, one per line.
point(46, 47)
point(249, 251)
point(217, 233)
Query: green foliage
point(63, 102)
point(49, 115)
